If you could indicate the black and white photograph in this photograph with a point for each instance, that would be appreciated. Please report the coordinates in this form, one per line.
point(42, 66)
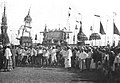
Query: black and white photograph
point(59, 41)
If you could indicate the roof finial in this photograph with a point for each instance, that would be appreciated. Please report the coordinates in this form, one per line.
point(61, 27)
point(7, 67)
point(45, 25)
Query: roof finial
point(4, 9)
point(4, 19)
point(29, 11)
point(28, 19)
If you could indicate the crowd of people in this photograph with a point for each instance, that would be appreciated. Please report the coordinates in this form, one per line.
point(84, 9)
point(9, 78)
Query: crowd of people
point(84, 57)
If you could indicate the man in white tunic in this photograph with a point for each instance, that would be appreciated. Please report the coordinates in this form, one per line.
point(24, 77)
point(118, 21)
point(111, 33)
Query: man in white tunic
point(82, 56)
point(68, 58)
point(53, 56)
point(8, 62)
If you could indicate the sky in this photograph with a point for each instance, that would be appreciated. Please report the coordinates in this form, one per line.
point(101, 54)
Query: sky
point(54, 13)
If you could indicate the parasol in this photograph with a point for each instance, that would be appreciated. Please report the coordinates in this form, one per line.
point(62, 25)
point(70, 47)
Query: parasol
point(94, 36)
point(82, 37)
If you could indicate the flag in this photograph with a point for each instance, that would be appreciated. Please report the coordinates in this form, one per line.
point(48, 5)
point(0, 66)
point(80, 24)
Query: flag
point(69, 8)
point(102, 29)
point(76, 27)
point(91, 28)
point(80, 31)
point(115, 30)
point(69, 12)
point(77, 21)
point(36, 37)
point(68, 36)
point(97, 15)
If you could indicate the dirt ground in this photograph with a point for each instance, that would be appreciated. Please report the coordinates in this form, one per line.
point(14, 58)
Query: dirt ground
point(52, 75)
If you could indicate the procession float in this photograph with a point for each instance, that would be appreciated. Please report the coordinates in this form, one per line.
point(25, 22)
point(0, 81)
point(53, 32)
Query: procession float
point(24, 32)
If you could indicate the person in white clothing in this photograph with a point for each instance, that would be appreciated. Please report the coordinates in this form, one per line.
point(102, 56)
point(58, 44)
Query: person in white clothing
point(88, 59)
point(82, 56)
point(68, 58)
point(45, 56)
point(53, 56)
point(33, 55)
point(8, 60)
point(64, 54)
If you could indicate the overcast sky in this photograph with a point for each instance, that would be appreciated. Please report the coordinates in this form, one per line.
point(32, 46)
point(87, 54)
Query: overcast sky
point(54, 13)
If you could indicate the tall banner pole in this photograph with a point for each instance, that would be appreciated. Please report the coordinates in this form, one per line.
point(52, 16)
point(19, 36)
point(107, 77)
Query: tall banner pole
point(106, 33)
point(69, 23)
point(100, 39)
point(91, 29)
point(113, 39)
point(113, 30)
point(100, 21)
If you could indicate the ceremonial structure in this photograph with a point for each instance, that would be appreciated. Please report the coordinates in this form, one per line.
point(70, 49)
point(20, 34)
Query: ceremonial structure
point(4, 39)
point(54, 37)
point(24, 32)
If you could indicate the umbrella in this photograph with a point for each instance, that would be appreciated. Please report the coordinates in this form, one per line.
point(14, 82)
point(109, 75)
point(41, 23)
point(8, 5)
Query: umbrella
point(94, 36)
point(82, 37)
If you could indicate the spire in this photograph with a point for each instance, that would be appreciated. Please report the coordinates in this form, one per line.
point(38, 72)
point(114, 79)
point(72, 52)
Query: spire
point(28, 18)
point(4, 18)
point(29, 12)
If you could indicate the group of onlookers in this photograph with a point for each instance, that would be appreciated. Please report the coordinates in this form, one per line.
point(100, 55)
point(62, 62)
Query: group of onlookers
point(80, 57)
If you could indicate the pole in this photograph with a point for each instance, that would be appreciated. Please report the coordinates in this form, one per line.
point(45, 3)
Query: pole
point(74, 37)
point(11, 36)
point(100, 39)
point(68, 22)
point(113, 27)
point(91, 33)
point(106, 33)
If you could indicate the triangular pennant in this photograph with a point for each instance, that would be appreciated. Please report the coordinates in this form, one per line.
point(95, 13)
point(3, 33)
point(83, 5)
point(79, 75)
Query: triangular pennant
point(102, 29)
point(115, 30)
point(80, 31)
